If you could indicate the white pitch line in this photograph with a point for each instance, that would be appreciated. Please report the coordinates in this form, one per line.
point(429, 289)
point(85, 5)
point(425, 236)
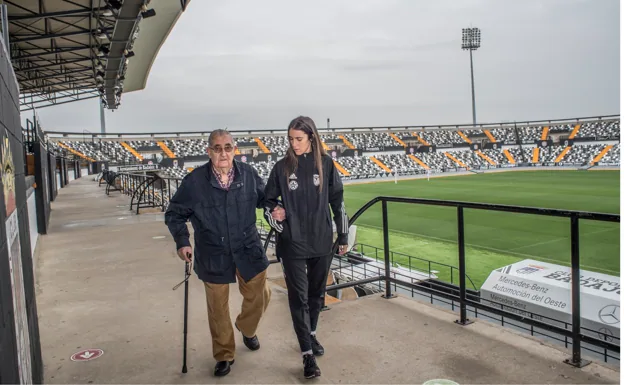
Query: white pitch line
point(561, 239)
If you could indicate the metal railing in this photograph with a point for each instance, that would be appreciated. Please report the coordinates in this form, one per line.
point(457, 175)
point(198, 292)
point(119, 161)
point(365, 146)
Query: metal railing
point(147, 190)
point(464, 297)
point(413, 262)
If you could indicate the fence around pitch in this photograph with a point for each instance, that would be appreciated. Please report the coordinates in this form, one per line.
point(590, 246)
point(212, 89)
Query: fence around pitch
point(465, 296)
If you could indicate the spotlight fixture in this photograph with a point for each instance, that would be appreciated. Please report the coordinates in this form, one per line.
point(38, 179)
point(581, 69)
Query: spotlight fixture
point(148, 13)
point(103, 50)
point(471, 41)
point(115, 4)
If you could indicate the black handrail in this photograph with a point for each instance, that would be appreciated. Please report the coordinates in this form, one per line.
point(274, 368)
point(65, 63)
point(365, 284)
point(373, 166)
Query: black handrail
point(574, 216)
point(575, 333)
point(141, 189)
point(410, 257)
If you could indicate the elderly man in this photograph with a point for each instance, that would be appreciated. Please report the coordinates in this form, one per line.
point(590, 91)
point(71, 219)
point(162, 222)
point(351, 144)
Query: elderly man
point(220, 199)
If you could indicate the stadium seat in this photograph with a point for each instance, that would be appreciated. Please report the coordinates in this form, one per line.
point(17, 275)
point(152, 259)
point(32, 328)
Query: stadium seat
point(497, 156)
point(530, 134)
point(276, 144)
point(602, 129)
point(401, 163)
point(441, 137)
point(438, 161)
point(612, 157)
point(360, 166)
point(504, 134)
point(371, 140)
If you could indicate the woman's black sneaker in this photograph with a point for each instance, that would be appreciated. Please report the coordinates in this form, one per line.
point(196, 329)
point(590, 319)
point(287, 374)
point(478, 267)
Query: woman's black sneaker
point(310, 368)
point(317, 348)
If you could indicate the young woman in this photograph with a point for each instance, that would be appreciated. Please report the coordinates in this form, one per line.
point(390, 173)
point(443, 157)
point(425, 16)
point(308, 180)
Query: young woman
point(308, 183)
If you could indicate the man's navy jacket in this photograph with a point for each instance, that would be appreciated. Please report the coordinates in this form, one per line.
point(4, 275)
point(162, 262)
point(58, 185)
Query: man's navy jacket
point(224, 223)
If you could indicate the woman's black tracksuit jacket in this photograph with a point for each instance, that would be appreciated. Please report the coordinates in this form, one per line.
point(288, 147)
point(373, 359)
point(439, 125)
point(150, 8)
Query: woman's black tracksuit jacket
point(304, 239)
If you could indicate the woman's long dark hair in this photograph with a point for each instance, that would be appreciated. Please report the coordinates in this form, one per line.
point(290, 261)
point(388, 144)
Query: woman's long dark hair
point(306, 125)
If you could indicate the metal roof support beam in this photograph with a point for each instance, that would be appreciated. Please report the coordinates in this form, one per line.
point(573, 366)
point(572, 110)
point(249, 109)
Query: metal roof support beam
point(46, 94)
point(52, 65)
point(72, 81)
point(55, 75)
point(29, 105)
point(49, 51)
point(38, 98)
point(50, 36)
point(71, 13)
point(41, 58)
point(35, 13)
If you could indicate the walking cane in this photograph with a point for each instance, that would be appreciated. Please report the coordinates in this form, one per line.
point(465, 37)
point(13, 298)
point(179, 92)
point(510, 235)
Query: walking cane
point(187, 274)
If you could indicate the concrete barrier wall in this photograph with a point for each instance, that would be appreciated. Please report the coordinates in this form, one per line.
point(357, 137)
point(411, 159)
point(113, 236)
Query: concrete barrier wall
point(20, 351)
point(32, 223)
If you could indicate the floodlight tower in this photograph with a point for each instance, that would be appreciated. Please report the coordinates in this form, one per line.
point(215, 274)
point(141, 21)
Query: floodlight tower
point(471, 40)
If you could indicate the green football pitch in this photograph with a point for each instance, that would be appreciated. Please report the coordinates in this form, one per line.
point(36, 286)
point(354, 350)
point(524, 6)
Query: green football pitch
point(493, 239)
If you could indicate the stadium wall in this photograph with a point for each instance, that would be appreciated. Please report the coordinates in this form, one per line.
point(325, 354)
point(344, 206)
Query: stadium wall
point(43, 192)
point(20, 352)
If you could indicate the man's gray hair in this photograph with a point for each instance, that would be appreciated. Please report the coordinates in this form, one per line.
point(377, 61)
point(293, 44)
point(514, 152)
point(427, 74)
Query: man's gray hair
point(216, 133)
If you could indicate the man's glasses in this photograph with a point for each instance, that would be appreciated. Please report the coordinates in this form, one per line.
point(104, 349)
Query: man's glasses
point(219, 149)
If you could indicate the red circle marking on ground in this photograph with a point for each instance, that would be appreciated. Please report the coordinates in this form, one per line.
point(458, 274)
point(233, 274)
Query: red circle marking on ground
point(87, 355)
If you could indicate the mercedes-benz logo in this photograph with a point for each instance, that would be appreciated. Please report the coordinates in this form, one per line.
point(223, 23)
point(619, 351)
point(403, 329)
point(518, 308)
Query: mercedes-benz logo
point(605, 334)
point(610, 314)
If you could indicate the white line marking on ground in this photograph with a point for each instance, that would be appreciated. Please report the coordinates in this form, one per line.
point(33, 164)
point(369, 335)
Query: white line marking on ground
point(561, 239)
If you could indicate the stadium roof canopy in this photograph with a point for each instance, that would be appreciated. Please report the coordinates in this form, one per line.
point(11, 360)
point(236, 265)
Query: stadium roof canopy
point(69, 50)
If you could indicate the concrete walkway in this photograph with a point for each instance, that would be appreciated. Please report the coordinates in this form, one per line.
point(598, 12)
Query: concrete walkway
point(105, 278)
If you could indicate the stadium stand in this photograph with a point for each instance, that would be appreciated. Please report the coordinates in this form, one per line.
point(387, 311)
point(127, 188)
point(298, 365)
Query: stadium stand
point(591, 142)
point(187, 147)
point(406, 136)
point(468, 158)
point(371, 140)
point(175, 172)
point(140, 145)
point(329, 138)
point(550, 154)
point(102, 150)
point(583, 154)
point(504, 134)
point(472, 133)
point(497, 156)
point(276, 144)
point(441, 137)
point(438, 161)
point(601, 129)
point(360, 166)
point(521, 155)
point(561, 128)
point(613, 156)
point(401, 163)
point(264, 168)
point(530, 134)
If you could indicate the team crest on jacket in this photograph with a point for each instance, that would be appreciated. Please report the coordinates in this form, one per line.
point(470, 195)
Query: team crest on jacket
point(293, 185)
point(317, 180)
point(292, 176)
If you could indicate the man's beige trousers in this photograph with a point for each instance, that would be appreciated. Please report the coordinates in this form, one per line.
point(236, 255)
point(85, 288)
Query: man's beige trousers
point(256, 296)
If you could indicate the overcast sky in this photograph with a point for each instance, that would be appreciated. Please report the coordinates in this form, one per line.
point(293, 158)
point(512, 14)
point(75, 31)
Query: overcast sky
point(249, 64)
